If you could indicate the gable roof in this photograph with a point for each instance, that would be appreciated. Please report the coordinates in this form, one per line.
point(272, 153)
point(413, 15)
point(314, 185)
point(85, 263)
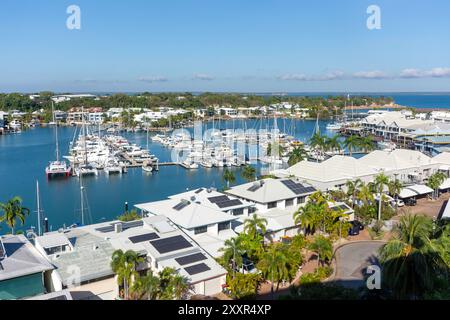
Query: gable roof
point(267, 190)
point(188, 216)
point(21, 258)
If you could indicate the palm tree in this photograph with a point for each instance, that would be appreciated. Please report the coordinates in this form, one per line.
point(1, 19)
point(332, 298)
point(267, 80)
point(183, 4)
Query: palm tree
point(146, 287)
point(333, 143)
point(323, 247)
point(365, 194)
point(124, 266)
point(435, 181)
point(275, 266)
point(180, 286)
point(228, 177)
point(367, 144)
point(308, 217)
point(13, 211)
point(351, 143)
point(248, 173)
point(252, 225)
point(317, 142)
point(353, 188)
point(395, 187)
point(381, 181)
point(273, 148)
point(297, 155)
point(232, 253)
point(172, 286)
point(410, 261)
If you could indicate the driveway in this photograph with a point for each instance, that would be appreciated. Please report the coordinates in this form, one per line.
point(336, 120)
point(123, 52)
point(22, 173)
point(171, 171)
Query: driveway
point(352, 261)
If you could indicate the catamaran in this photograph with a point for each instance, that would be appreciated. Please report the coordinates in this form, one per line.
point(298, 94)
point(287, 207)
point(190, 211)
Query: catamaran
point(57, 168)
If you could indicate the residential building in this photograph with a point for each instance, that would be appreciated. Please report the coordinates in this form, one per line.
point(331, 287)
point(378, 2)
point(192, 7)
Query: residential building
point(208, 226)
point(23, 269)
point(82, 256)
point(211, 198)
point(271, 193)
point(408, 166)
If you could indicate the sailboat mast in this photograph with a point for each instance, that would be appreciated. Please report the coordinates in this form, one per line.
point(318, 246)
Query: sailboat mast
point(56, 132)
point(147, 138)
point(38, 201)
point(81, 199)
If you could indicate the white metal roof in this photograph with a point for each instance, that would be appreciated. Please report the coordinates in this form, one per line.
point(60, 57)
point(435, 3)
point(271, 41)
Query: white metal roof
point(22, 258)
point(265, 191)
point(191, 216)
point(445, 185)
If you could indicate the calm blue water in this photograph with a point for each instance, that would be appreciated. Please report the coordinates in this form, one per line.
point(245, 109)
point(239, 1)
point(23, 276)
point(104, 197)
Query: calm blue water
point(23, 158)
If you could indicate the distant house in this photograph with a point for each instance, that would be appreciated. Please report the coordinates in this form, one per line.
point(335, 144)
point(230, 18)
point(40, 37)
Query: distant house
point(23, 269)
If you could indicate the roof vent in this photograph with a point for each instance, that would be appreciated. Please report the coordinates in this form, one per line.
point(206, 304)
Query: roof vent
point(118, 228)
point(193, 199)
point(95, 247)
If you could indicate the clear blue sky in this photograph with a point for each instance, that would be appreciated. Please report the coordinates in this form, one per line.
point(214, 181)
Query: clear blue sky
point(225, 45)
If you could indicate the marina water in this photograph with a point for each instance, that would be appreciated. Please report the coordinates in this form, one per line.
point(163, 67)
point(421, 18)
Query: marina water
point(23, 158)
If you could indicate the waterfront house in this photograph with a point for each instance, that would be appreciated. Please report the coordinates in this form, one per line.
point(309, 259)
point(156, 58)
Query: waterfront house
point(271, 193)
point(23, 269)
point(330, 174)
point(211, 198)
point(82, 256)
point(408, 166)
point(208, 226)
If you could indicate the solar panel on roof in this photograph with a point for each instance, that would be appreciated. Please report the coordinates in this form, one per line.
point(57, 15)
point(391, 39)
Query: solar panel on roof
point(218, 199)
point(191, 259)
point(298, 188)
point(171, 244)
point(183, 204)
point(253, 188)
point(144, 237)
point(198, 268)
point(58, 298)
point(132, 224)
point(105, 229)
point(229, 203)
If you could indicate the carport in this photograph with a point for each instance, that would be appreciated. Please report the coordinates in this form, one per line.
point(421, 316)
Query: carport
point(417, 190)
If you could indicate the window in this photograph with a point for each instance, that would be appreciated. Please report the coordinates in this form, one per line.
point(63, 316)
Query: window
point(301, 200)
point(238, 212)
point(55, 250)
point(200, 230)
point(223, 226)
point(251, 210)
point(289, 202)
point(272, 205)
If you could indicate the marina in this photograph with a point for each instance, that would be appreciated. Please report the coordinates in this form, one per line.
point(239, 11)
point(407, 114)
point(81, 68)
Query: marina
point(105, 194)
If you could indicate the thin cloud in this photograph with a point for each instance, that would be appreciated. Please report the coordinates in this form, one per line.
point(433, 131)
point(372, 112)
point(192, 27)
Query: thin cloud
point(411, 73)
point(153, 79)
point(370, 75)
point(202, 76)
point(439, 72)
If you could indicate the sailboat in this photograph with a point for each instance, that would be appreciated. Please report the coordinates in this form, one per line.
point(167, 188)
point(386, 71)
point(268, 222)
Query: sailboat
point(86, 168)
point(57, 168)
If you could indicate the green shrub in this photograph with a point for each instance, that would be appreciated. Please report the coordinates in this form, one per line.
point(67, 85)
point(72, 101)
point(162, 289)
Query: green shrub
point(129, 216)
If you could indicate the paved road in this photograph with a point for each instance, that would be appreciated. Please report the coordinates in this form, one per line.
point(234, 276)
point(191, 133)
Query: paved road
point(352, 260)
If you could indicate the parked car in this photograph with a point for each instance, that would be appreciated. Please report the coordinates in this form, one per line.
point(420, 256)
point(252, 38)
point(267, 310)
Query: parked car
point(399, 203)
point(355, 228)
point(410, 202)
point(247, 266)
